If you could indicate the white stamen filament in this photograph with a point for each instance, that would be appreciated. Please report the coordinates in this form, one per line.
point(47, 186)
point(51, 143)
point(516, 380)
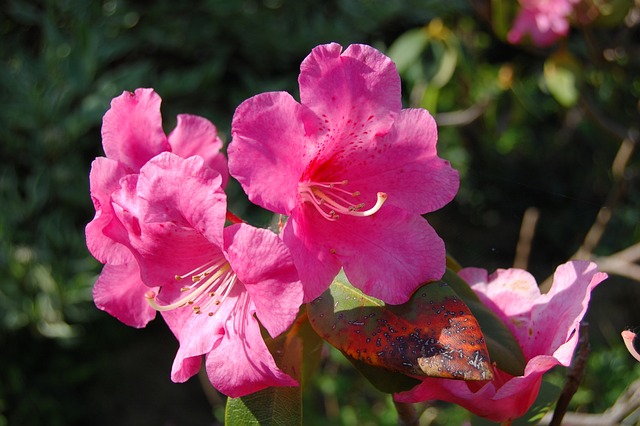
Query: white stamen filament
point(330, 201)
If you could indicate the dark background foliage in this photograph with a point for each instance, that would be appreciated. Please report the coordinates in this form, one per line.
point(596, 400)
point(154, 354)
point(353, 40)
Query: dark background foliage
point(63, 362)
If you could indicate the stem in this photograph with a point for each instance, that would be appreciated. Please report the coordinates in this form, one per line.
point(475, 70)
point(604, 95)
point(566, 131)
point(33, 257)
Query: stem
point(233, 218)
point(527, 231)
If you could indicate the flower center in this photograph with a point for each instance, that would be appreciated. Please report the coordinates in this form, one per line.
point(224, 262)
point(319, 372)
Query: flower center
point(210, 285)
point(331, 199)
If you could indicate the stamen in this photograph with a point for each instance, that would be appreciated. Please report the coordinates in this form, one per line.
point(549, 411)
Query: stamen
point(212, 279)
point(331, 199)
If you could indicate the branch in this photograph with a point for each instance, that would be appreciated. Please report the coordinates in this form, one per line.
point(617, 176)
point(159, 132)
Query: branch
point(574, 377)
point(527, 231)
point(462, 117)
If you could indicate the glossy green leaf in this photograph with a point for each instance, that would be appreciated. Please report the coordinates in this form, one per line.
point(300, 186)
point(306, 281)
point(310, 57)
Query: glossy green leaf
point(271, 406)
point(504, 350)
point(434, 334)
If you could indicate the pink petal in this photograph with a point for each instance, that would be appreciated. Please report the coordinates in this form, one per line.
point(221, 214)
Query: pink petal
point(357, 87)
point(196, 135)
point(267, 153)
point(198, 334)
point(387, 255)
point(508, 292)
point(174, 216)
point(132, 129)
point(264, 265)
point(316, 264)
point(404, 164)
point(241, 363)
point(120, 292)
point(556, 317)
point(104, 179)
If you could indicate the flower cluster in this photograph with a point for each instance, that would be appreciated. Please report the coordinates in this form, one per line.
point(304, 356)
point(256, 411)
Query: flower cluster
point(545, 21)
point(353, 173)
point(350, 168)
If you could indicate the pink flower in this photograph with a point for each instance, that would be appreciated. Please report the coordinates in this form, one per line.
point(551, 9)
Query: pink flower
point(545, 21)
point(212, 280)
point(545, 326)
point(131, 136)
point(351, 169)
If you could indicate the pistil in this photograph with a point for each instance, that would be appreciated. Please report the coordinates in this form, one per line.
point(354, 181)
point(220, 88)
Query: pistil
point(331, 199)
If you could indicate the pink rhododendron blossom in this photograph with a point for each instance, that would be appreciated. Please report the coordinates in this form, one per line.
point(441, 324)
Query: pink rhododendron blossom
point(132, 135)
point(352, 170)
point(545, 21)
point(545, 326)
point(214, 283)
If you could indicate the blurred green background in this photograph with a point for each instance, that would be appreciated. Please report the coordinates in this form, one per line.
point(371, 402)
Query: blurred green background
point(526, 127)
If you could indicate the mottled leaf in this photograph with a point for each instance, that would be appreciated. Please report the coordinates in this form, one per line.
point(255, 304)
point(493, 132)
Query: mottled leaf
point(504, 350)
point(434, 334)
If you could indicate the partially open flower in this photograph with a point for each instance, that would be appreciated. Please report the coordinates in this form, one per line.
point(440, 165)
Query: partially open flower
point(545, 326)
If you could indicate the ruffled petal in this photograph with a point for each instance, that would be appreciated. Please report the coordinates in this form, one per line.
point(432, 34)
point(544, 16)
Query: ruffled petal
point(132, 129)
point(557, 315)
point(264, 265)
point(404, 164)
point(104, 179)
point(350, 90)
point(269, 148)
point(241, 363)
point(312, 255)
point(119, 291)
point(198, 334)
point(387, 255)
point(196, 135)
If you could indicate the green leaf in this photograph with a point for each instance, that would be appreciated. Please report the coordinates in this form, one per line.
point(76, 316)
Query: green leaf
point(384, 380)
point(561, 74)
point(311, 348)
point(447, 59)
point(434, 334)
point(271, 406)
point(504, 349)
point(406, 49)
point(502, 14)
